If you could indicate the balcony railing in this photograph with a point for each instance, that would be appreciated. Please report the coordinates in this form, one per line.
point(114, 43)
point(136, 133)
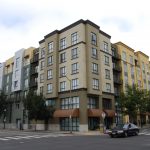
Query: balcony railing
point(117, 68)
point(118, 81)
point(116, 56)
point(33, 83)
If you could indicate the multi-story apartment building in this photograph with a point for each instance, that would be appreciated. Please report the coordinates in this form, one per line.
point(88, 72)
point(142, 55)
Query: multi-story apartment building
point(2, 66)
point(135, 70)
point(15, 86)
point(75, 74)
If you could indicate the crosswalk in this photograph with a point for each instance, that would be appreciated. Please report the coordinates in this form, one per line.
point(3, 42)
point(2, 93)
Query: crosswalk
point(28, 137)
point(145, 132)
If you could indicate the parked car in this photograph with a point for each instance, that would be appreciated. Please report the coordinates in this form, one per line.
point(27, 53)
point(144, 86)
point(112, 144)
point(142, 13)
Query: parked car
point(124, 130)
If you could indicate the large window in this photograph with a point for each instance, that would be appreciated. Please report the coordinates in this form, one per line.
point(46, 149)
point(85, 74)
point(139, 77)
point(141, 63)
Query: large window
point(70, 103)
point(50, 47)
point(62, 57)
point(42, 77)
point(42, 65)
point(49, 88)
point(67, 125)
point(26, 72)
point(94, 53)
point(62, 43)
point(107, 60)
point(50, 60)
point(92, 102)
point(75, 68)
point(95, 68)
point(50, 102)
point(74, 53)
point(106, 47)
point(15, 84)
point(93, 38)
point(43, 52)
point(107, 104)
point(124, 56)
point(63, 86)
point(95, 84)
point(108, 87)
point(17, 62)
point(26, 83)
point(74, 38)
point(75, 83)
point(107, 74)
point(49, 74)
point(62, 71)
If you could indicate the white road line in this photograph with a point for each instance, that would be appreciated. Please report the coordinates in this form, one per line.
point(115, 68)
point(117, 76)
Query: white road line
point(3, 139)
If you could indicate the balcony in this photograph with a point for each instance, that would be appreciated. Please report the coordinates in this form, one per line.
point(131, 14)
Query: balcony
point(118, 81)
point(116, 56)
point(33, 84)
point(35, 59)
point(33, 71)
point(117, 68)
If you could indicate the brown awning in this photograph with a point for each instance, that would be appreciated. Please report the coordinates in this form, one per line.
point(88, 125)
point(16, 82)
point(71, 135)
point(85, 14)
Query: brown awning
point(95, 112)
point(66, 113)
point(109, 112)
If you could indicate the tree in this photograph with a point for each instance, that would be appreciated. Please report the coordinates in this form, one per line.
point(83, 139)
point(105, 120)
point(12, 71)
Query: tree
point(36, 106)
point(133, 102)
point(3, 103)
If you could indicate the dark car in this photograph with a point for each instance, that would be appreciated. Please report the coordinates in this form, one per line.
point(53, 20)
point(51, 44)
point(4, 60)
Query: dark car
point(124, 130)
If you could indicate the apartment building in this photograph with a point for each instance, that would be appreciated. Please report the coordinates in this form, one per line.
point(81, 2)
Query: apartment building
point(76, 63)
point(1, 75)
point(135, 70)
point(15, 86)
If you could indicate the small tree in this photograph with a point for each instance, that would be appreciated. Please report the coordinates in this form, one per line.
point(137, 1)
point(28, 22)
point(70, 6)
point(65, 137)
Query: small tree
point(3, 103)
point(36, 106)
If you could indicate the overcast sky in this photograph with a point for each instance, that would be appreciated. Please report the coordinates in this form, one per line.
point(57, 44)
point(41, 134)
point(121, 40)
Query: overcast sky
point(23, 23)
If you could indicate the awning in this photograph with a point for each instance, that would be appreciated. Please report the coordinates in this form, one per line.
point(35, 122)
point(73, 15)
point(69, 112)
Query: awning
point(66, 113)
point(109, 112)
point(95, 112)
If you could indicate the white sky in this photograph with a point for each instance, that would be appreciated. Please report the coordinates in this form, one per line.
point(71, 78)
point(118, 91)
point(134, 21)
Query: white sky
point(23, 23)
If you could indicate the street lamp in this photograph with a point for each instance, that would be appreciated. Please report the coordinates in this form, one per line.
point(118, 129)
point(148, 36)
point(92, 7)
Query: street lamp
point(4, 120)
point(70, 103)
point(103, 116)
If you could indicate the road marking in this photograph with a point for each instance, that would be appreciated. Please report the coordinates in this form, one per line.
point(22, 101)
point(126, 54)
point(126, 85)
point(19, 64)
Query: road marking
point(3, 139)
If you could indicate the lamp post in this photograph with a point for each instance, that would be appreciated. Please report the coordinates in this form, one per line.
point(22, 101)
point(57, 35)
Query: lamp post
point(4, 120)
point(70, 103)
point(103, 116)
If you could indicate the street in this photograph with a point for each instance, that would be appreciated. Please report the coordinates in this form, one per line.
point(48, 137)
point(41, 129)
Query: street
point(16, 140)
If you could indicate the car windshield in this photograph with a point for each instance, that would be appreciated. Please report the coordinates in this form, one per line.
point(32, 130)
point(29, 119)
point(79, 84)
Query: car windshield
point(119, 126)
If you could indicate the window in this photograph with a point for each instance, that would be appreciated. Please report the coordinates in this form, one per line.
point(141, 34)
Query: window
point(7, 88)
point(26, 72)
point(106, 60)
point(50, 102)
point(74, 53)
point(108, 87)
point(124, 56)
point(70, 103)
point(50, 60)
point(62, 57)
point(17, 105)
point(15, 84)
point(94, 53)
point(107, 103)
point(74, 38)
point(7, 80)
point(131, 60)
point(132, 71)
point(95, 68)
point(63, 43)
point(107, 74)
point(49, 74)
point(26, 83)
point(26, 61)
point(93, 38)
point(63, 86)
point(126, 80)
point(62, 71)
point(95, 84)
point(75, 68)
point(125, 67)
point(43, 52)
point(42, 65)
point(41, 78)
point(17, 62)
point(50, 47)
point(143, 66)
point(49, 88)
point(16, 73)
point(75, 83)
point(41, 89)
point(92, 102)
point(106, 47)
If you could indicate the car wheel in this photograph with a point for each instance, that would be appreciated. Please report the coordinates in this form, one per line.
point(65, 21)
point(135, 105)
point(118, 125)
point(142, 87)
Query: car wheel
point(125, 134)
point(136, 133)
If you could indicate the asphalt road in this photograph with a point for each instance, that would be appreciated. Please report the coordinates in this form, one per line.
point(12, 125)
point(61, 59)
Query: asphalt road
point(57, 141)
